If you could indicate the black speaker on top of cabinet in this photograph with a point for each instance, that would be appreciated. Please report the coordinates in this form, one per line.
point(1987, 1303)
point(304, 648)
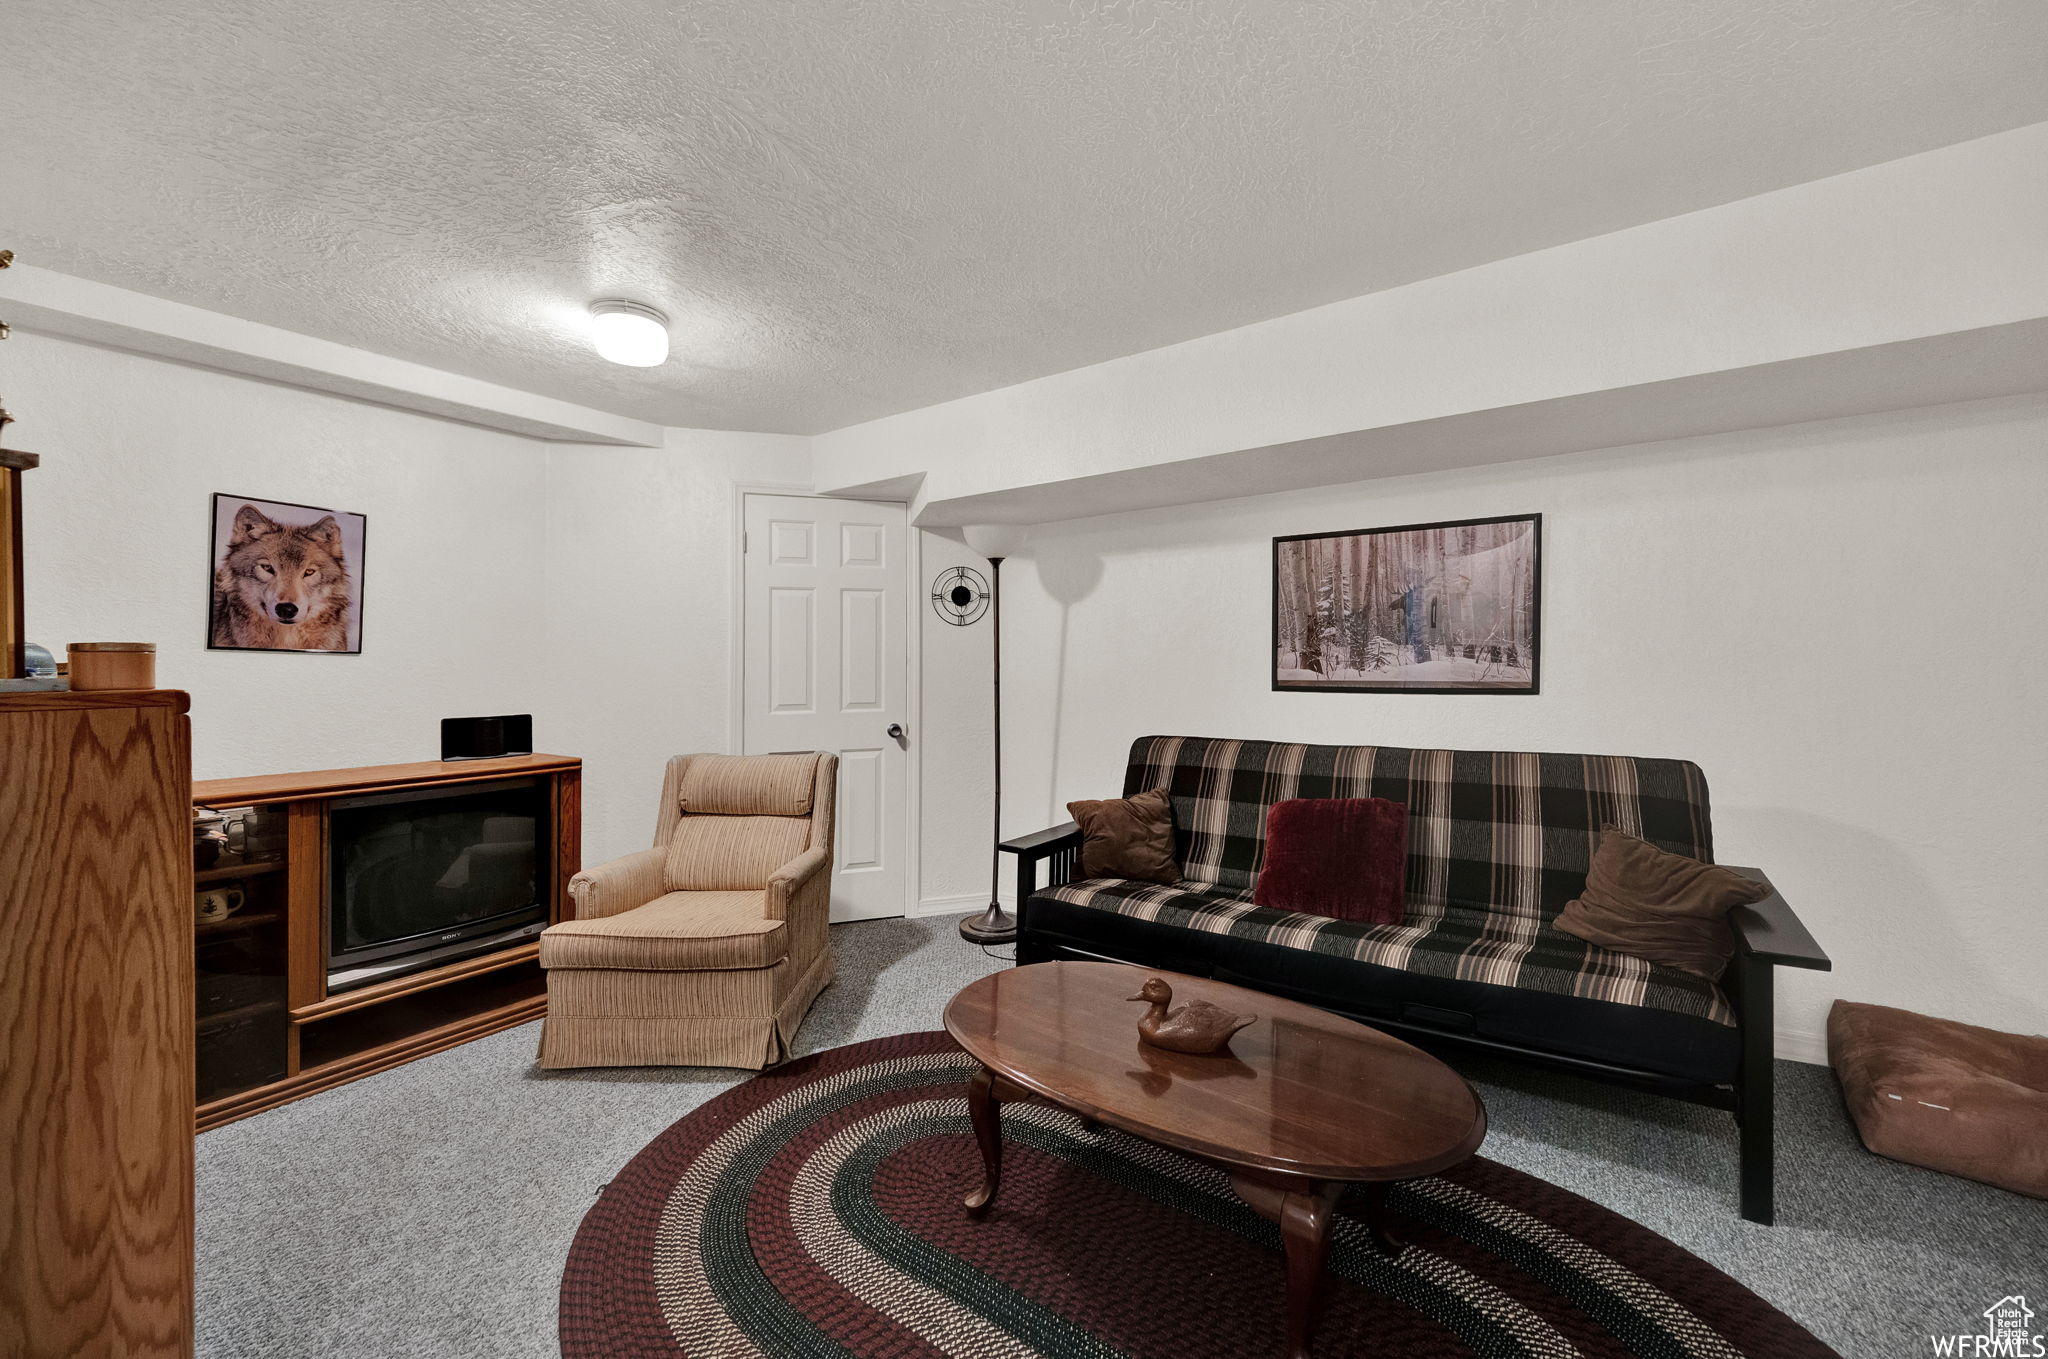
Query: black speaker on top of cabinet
point(484, 738)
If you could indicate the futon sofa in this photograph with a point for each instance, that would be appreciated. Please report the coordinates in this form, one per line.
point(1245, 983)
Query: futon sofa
point(1498, 842)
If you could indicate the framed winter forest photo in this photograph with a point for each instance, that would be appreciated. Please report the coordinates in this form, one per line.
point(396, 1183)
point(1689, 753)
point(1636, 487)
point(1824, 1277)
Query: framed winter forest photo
point(1418, 609)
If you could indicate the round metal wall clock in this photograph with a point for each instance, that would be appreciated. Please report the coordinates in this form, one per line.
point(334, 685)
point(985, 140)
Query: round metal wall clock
point(960, 595)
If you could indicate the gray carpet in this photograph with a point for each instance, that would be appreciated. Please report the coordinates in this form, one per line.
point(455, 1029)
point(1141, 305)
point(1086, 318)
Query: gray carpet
point(426, 1211)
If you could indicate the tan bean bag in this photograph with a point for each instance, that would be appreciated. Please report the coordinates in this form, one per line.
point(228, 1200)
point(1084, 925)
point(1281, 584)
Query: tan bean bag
point(1948, 1096)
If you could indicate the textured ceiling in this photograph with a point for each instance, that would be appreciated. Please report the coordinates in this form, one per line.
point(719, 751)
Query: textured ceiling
point(853, 209)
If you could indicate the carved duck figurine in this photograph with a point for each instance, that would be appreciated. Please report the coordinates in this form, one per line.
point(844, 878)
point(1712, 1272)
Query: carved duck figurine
point(1196, 1027)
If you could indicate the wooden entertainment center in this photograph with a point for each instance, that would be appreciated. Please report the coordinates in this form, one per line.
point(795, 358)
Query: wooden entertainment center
point(268, 1030)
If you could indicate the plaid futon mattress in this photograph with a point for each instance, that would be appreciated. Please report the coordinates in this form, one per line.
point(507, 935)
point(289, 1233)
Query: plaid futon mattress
point(1510, 830)
point(1498, 842)
point(1444, 940)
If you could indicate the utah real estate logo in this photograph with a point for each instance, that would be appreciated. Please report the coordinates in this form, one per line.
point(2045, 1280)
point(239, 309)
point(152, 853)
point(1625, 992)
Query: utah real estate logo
point(2008, 1331)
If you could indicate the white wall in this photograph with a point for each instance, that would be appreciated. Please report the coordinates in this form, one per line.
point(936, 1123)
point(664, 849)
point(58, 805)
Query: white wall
point(117, 526)
point(588, 585)
point(639, 592)
point(1844, 623)
point(1841, 622)
point(951, 741)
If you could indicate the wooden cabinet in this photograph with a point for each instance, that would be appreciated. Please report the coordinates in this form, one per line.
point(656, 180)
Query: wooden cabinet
point(96, 1003)
point(270, 1031)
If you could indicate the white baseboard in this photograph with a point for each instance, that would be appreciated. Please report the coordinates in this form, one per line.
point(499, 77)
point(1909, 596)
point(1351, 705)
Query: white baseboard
point(961, 905)
point(1799, 1045)
point(968, 904)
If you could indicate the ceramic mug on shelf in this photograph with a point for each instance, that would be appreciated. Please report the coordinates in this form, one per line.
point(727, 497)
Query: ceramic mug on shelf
point(218, 903)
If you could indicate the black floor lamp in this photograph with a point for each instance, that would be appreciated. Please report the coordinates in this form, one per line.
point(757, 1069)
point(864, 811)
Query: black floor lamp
point(995, 541)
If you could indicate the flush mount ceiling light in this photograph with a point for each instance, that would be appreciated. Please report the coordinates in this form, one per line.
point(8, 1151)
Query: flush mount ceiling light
point(629, 333)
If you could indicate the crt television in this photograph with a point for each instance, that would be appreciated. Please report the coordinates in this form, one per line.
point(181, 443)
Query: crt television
point(425, 876)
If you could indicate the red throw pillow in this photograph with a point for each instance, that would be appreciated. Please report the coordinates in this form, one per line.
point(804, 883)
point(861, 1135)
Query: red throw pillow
point(1345, 857)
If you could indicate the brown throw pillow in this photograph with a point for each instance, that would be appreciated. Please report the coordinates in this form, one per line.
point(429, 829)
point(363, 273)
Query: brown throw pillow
point(1663, 907)
point(1127, 837)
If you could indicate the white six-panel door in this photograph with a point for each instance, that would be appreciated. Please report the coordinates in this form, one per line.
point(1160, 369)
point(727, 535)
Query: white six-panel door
point(825, 667)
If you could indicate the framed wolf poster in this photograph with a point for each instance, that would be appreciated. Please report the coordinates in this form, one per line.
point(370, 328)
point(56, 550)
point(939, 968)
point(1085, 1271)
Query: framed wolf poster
point(1416, 609)
point(285, 577)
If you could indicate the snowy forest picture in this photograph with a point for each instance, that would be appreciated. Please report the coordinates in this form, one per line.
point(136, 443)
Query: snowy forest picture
point(1423, 608)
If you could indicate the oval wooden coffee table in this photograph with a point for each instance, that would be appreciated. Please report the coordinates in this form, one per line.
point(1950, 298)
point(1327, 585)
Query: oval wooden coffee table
point(1302, 1104)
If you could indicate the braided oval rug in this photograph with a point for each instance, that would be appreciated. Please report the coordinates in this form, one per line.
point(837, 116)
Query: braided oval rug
point(815, 1210)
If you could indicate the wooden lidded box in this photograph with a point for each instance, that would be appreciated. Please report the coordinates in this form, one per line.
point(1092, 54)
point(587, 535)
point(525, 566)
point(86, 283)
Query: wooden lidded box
point(113, 665)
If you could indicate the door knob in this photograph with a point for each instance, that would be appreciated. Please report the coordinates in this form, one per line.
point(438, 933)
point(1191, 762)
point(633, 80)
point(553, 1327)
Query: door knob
point(896, 730)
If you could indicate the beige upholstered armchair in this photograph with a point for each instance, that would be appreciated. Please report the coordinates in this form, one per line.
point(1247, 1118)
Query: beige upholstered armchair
point(707, 949)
